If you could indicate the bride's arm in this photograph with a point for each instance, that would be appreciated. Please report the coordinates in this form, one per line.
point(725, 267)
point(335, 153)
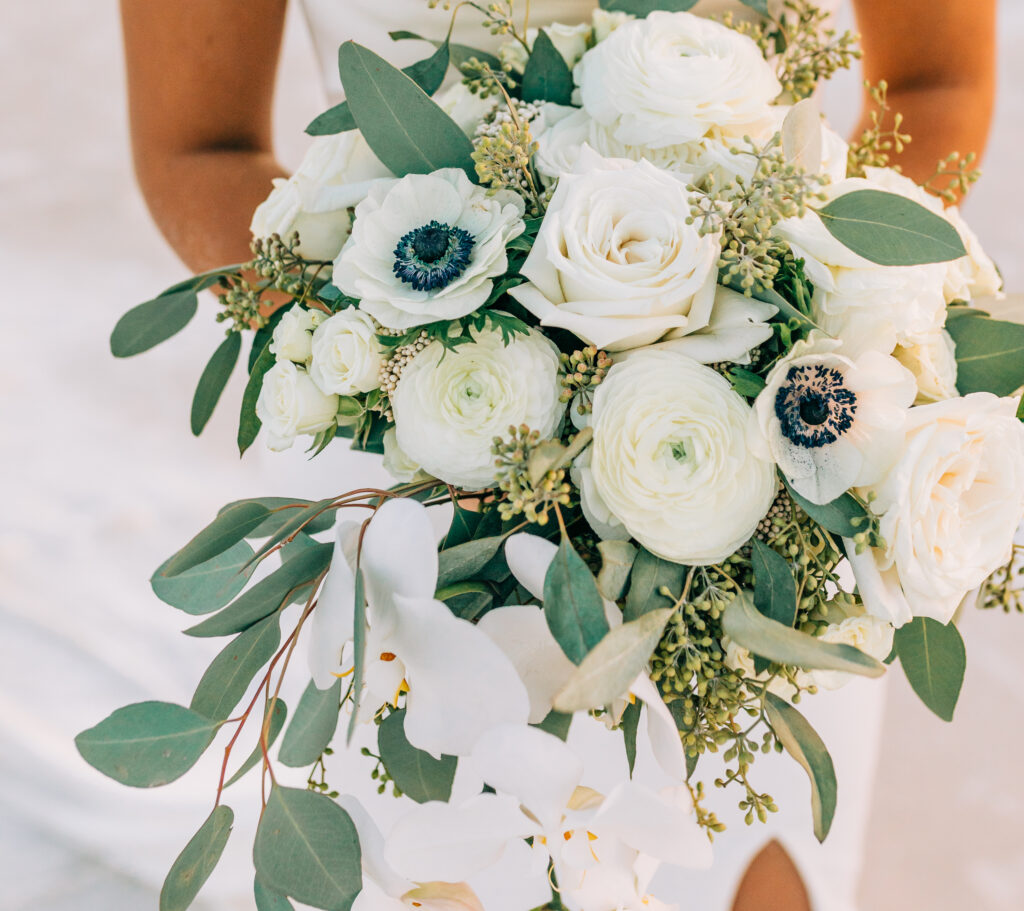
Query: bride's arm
point(940, 62)
point(200, 90)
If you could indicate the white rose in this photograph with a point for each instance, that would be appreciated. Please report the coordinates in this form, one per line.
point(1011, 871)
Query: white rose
point(615, 262)
point(569, 40)
point(335, 175)
point(427, 248)
point(465, 107)
point(866, 633)
point(346, 354)
point(670, 459)
point(948, 509)
point(396, 462)
point(605, 22)
point(450, 405)
point(290, 404)
point(292, 339)
point(673, 77)
point(932, 360)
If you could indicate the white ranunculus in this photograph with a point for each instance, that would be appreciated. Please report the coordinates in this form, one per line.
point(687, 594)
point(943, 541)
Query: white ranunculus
point(290, 404)
point(465, 107)
point(866, 633)
point(346, 353)
point(450, 405)
point(396, 462)
point(293, 336)
point(948, 509)
point(673, 78)
point(427, 248)
point(932, 360)
point(615, 262)
point(334, 176)
point(670, 458)
point(831, 422)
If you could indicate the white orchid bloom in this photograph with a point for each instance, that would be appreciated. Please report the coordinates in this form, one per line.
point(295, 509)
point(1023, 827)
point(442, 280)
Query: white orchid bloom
point(459, 682)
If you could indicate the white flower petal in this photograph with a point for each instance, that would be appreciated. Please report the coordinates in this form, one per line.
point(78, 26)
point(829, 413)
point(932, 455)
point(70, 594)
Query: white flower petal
point(331, 626)
point(529, 557)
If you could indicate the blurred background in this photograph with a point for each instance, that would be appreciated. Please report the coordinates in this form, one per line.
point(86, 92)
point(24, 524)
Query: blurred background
point(101, 481)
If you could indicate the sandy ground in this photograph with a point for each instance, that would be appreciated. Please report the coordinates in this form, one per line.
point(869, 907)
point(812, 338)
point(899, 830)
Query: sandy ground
point(85, 504)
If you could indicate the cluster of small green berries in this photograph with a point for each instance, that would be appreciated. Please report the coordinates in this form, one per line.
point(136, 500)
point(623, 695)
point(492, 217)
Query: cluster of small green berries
point(580, 372)
point(503, 150)
point(811, 52)
point(275, 259)
point(381, 775)
point(525, 495)
point(320, 785)
point(1005, 587)
point(240, 304)
point(877, 142)
point(953, 176)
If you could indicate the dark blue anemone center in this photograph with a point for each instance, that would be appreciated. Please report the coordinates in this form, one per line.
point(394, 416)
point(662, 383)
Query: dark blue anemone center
point(433, 256)
point(814, 406)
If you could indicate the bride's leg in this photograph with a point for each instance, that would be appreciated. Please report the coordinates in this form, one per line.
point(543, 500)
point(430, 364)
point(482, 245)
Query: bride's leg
point(772, 883)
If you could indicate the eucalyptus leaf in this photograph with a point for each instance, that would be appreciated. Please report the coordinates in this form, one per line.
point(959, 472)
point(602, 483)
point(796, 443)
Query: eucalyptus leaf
point(934, 660)
point(556, 723)
point(617, 559)
point(547, 76)
point(891, 230)
point(230, 527)
point(358, 651)
point(147, 325)
point(649, 575)
point(307, 848)
point(294, 522)
point(460, 53)
point(228, 677)
point(277, 719)
point(416, 773)
point(573, 606)
point(193, 866)
point(214, 378)
point(147, 744)
point(844, 516)
point(312, 727)
point(281, 511)
point(248, 423)
point(269, 900)
point(774, 590)
point(748, 627)
point(607, 671)
point(208, 586)
point(462, 562)
point(989, 355)
point(463, 528)
point(642, 8)
point(802, 742)
point(630, 724)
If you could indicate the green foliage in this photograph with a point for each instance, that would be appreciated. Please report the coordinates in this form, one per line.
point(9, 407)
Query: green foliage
point(556, 723)
point(358, 652)
point(416, 774)
point(213, 380)
point(277, 720)
point(774, 590)
point(643, 8)
point(460, 53)
point(844, 516)
point(547, 76)
point(230, 527)
point(464, 561)
point(196, 862)
point(294, 522)
point(573, 606)
point(280, 515)
point(147, 744)
point(407, 131)
point(307, 848)
point(649, 576)
point(630, 724)
point(248, 423)
point(229, 675)
point(934, 659)
point(890, 229)
point(268, 900)
point(312, 727)
point(989, 352)
point(208, 586)
point(802, 742)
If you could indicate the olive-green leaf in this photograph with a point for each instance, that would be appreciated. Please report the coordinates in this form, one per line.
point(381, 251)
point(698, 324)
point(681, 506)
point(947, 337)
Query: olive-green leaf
point(934, 660)
point(630, 724)
point(890, 229)
point(547, 76)
point(774, 586)
point(802, 742)
point(415, 773)
point(307, 848)
point(358, 651)
point(460, 53)
point(208, 586)
point(608, 669)
point(230, 527)
point(269, 900)
point(617, 558)
point(196, 862)
point(555, 723)
point(747, 626)
point(295, 521)
point(649, 575)
point(214, 378)
point(312, 727)
point(228, 677)
point(248, 423)
point(147, 325)
point(844, 516)
point(147, 744)
point(989, 355)
point(266, 596)
point(281, 511)
point(573, 606)
point(277, 720)
point(642, 8)
point(406, 129)
point(462, 562)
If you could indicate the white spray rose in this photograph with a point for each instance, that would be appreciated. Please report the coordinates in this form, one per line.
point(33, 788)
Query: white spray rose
point(869, 634)
point(290, 404)
point(605, 22)
point(427, 248)
point(293, 336)
point(336, 174)
point(450, 405)
point(673, 77)
point(670, 459)
point(932, 360)
point(948, 509)
point(346, 354)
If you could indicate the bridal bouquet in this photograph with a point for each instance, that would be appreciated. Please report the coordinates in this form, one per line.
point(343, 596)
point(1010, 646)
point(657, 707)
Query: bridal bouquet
point(703, 399)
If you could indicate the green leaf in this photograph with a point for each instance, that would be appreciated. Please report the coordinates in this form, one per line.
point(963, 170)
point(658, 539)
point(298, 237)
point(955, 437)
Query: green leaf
point(556, 723)
point(229, 675)
point(844, 516)
point(312, 727)
point(465, 523)
point(147, 744)
point(208, 586)
point(415, 773)
point(934, 659)
point(277, 720)
point(213, 380)
point(890, 229)
point(608, 669)
point(745, 382)
point(147, 325)
point(295, 521)
point(358, 651)
point(407, 131)
point(195, 864)
point(774, 590)
point(650, 574)
point(281, 511)
point(748, 627)
point(573, 606)
point(459, 563)
point(230, 526)
point(989, 355)
point(248, 423)
point(802, 742)
point(427, 74)
point(642, 8)
point(460, 53)
point(617, 558)
point(307, 848)
point(267, 595)
point(268, 900)
point(547, 76)
point(630, 724)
